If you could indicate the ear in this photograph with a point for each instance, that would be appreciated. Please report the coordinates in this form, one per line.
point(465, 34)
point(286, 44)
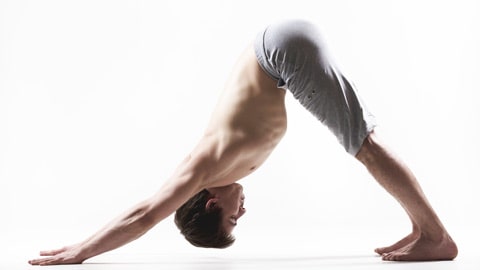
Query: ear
point(211, 204)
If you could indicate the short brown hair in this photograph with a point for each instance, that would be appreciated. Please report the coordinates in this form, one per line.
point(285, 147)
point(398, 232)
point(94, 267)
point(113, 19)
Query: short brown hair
point(202, 227)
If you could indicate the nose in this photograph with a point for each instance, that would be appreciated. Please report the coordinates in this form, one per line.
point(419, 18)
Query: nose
point(241, 211)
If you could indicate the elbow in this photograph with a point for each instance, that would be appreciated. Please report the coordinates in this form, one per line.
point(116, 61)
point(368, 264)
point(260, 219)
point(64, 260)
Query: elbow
point(138, 221)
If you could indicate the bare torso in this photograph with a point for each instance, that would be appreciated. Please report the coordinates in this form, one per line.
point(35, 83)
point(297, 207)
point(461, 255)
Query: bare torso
point(246, 125)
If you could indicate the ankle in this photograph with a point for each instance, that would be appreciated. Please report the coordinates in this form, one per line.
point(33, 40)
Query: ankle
point(434, 236)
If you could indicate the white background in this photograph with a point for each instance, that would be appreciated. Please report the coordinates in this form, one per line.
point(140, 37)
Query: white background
point(100, 100)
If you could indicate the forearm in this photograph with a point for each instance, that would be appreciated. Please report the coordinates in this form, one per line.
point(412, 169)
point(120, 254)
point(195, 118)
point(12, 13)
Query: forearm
point(126, 228)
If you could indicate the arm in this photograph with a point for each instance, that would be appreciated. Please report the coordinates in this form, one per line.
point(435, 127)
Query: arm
point(127, 227)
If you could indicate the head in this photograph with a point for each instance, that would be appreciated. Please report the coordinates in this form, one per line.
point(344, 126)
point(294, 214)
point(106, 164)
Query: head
point(209, 217)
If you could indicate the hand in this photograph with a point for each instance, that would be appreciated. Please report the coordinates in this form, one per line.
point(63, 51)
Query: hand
point(65, 255)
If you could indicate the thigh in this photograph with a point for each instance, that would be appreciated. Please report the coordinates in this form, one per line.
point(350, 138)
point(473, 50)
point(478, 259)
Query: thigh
point(295, 54)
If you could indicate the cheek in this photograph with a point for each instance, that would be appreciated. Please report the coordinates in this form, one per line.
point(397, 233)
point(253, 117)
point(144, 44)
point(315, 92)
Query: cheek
point(233, 208)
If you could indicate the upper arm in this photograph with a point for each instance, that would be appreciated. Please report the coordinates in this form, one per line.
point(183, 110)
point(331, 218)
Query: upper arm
point(168, 199)
point(186, 181)
point(193, 174)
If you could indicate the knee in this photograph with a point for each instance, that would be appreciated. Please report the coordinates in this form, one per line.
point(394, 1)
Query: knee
point(371, 149)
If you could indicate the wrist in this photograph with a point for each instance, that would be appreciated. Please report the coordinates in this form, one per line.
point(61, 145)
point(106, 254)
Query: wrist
point(84, 252)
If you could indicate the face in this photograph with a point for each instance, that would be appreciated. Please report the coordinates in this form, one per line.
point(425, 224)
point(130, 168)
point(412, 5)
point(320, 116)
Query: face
point(230, 199)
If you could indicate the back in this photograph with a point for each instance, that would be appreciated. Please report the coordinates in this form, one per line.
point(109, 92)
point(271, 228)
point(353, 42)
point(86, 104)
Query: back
point(247, 123)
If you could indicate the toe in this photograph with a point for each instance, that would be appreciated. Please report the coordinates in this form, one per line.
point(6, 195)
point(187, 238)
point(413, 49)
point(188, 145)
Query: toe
point(399, 257)
point(385, 256)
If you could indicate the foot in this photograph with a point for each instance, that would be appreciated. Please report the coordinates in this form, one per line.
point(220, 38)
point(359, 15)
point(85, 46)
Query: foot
point(424, 249)
point(400, 244)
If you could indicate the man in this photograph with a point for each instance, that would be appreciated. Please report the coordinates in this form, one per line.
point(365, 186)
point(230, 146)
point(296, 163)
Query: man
point(247, 124)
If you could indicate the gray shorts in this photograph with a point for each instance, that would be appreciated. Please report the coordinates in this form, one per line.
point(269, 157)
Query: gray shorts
point(294, 54)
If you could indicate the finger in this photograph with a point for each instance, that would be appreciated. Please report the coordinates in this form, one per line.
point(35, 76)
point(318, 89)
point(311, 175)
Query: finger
point(48, 261)
point(36, 261)
point(54, 260)
point(52, 252)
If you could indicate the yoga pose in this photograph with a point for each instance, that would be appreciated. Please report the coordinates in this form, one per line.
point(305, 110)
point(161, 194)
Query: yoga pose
point(246, 125)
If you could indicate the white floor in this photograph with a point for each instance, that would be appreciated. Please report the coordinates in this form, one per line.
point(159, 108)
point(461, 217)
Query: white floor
point(346, 251)
point(251, 261)
point(251, 257)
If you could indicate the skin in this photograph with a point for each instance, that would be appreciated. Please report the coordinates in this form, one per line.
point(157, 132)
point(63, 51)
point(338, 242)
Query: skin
point(232, 209)
point(246, 125)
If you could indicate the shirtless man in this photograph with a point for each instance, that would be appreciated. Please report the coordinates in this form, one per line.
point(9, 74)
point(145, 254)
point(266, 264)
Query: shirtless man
point(247, 124)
